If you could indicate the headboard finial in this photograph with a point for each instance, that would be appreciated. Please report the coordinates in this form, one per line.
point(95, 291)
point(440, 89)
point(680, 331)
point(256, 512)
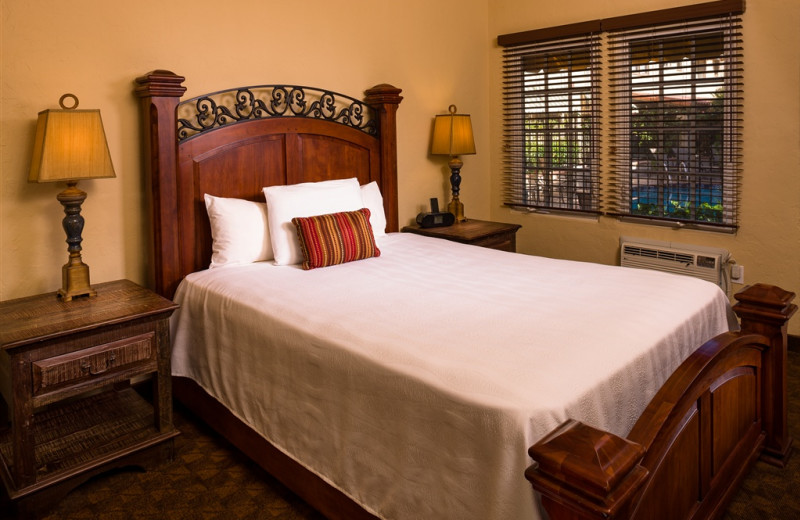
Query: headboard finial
point(383, 93)
point(163, 83)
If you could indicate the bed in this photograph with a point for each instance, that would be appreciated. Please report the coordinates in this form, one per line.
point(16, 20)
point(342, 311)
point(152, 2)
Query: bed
point(438, 427)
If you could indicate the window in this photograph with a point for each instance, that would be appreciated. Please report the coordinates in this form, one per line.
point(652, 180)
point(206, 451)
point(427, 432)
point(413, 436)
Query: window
point(676, 97)
point(551, 133)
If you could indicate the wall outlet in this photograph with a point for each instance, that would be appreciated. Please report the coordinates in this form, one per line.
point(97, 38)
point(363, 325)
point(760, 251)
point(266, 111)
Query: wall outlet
point(737, 274)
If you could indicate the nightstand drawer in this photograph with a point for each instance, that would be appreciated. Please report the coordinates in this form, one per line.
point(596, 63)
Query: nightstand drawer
point(94, 363)
point(503, 242)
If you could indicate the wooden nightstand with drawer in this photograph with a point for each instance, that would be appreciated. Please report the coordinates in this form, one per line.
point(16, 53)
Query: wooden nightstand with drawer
point(494, 235)
point(69, 411)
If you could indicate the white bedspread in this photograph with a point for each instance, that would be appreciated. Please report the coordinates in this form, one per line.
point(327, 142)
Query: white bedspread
point(415, 381)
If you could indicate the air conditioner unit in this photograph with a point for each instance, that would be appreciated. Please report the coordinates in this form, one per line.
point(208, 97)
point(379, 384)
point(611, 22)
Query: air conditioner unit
point(701, 262)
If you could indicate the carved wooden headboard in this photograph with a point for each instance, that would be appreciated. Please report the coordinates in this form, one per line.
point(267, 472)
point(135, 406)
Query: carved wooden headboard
point(232, 143)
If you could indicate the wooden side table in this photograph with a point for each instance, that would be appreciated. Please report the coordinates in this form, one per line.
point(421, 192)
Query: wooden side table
point(494, 235)
point(65, 372)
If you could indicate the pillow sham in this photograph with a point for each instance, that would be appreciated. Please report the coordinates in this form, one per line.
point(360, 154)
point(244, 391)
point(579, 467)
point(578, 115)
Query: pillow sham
point(305, 200)
point(239, 231)
point(373, 201)
point(336, 238)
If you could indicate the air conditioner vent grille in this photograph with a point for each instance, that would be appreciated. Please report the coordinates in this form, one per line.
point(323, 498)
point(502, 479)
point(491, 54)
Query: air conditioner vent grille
point(681, 258)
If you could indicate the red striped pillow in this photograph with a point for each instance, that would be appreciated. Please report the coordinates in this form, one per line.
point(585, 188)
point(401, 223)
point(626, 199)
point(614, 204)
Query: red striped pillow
point(335, 238)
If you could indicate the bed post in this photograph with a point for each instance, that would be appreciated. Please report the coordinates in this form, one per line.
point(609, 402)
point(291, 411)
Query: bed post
point(766, 309)
point(159, 92)
point(385, 99)
point(584, 473)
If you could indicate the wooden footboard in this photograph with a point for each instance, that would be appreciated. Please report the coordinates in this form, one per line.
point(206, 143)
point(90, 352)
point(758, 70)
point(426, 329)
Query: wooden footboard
point(696, 440)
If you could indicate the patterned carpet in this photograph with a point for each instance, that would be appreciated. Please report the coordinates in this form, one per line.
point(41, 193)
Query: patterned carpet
point(211, 480)
point(769, 492)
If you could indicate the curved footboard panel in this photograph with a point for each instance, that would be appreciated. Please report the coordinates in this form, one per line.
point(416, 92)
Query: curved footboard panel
point(693, 443)
point(724, 407)
point(704, 432)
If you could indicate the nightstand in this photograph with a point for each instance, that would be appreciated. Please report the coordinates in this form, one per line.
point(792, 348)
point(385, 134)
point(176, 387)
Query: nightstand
point(494, 235)
point(65, 373)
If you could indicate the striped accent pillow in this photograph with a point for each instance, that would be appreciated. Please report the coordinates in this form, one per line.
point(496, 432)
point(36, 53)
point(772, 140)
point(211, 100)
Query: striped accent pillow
point(335, 238)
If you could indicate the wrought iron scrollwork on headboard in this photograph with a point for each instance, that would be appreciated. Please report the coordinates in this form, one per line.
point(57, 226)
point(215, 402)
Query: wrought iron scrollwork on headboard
point(226, 107)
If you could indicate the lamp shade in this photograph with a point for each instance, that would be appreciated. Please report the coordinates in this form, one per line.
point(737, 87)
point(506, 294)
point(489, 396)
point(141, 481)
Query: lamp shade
point(452, 134)
point(70, 145)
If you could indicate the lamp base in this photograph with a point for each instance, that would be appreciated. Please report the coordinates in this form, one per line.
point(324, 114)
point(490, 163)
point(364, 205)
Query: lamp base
point(74, 274)
point(75, 280)
point(456, 207)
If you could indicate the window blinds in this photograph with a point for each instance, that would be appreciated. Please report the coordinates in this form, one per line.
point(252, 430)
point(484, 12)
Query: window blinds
point(674, 95)
point(551, 109)
point(676, 119)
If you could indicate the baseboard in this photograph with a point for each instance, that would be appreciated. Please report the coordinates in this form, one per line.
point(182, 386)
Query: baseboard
point(794, 343)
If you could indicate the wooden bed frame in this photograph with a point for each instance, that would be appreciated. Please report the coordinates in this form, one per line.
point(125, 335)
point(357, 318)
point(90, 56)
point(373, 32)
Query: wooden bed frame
point(723, 408)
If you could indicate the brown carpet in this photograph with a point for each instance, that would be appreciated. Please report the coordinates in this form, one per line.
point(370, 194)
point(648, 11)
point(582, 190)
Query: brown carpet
point(769, 492)
point(211, 480)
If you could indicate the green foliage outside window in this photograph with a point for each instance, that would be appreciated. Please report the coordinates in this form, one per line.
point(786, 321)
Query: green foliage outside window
point(676, 149)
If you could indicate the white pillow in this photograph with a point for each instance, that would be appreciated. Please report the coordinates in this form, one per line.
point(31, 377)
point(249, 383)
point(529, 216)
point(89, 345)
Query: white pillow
point(308, 199)
point(239, 231)
point(373, 201)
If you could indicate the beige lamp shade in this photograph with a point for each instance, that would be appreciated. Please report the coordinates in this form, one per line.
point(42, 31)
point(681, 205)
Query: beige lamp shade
point(70, 145)
point(452, 134)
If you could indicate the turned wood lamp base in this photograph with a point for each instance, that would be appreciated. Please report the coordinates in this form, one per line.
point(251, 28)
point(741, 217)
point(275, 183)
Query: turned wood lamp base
point(74, 274)
point(456, 207)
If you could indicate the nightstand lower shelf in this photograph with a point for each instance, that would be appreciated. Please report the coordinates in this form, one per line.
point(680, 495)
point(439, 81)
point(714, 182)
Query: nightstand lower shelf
point(93, 432)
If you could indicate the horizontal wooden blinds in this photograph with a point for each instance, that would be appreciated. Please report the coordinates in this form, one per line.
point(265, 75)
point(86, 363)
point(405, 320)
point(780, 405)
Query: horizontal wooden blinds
point(674, 95)
point(551, 114)
point(676, 121)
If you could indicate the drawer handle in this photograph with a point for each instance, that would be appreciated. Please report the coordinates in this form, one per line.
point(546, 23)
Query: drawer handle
point(87, 367)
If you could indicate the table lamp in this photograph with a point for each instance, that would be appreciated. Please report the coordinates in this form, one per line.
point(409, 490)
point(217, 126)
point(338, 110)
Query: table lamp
point(70, 146)
point(452, 136)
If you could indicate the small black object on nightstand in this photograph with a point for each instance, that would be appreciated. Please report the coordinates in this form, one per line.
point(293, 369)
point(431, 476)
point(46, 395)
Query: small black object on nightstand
point(435, 218)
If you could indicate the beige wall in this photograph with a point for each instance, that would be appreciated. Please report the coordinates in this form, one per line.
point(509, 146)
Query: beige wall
point(768, 241)
point(438, 51)
point(95, 48)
